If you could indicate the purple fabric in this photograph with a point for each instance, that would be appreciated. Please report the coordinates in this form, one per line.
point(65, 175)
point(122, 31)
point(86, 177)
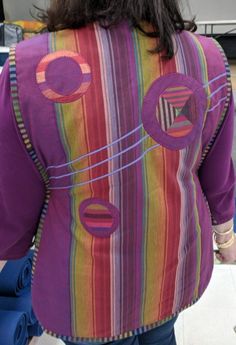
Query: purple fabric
point(206, 239)
point(31, 104)
point(21, 187)
point(54, 288)
point(22, 196)
point(51, 289)
point(69, 82)
point(217, 174)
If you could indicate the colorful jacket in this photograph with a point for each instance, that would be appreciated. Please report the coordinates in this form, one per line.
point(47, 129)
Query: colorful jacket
point(118, 161)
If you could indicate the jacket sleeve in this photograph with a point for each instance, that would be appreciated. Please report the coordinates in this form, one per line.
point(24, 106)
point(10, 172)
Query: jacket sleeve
point(21, 187)
point(217, 176)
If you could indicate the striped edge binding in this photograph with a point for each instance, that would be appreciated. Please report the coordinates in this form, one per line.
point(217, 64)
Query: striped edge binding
point(29, 148)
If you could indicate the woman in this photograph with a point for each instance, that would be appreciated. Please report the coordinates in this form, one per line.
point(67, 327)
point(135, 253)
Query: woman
point(116, 132)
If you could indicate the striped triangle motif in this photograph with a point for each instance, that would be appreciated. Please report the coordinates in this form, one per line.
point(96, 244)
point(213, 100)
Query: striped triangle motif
point(181, 127)
point(177, 96)
point(174, 111)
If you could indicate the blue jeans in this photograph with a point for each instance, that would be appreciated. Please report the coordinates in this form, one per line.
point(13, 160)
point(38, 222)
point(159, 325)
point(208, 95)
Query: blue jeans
point(161, 335)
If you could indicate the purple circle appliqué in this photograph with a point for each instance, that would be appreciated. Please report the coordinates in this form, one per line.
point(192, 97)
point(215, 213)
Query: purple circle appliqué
point(99, 217)
point(63, 87)
point(173, 110)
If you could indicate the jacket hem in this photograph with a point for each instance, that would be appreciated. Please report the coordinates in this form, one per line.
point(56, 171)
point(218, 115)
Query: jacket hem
point(131, 333)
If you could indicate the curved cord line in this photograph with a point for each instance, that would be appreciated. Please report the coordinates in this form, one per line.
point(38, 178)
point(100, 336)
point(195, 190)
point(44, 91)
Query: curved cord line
point(215, 79)
point(218, 104)
point(110, 174)
point(217, 90)
point(128, 134)
point(100, 163)
point(96, 151)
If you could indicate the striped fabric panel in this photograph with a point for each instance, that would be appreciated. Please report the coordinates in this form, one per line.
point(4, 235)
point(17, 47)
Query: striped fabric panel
point(112, 299)
point(152, 245)
point(189, 265)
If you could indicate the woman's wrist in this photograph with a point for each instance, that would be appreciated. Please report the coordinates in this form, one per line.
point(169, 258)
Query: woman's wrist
point(224, 244)
point(223, 228)
point(224, 234)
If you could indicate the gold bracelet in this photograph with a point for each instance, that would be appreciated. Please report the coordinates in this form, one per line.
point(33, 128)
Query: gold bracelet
point(224, 233)
point(227, 244)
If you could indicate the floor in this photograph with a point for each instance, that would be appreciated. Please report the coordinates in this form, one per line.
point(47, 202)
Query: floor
point(210, 322)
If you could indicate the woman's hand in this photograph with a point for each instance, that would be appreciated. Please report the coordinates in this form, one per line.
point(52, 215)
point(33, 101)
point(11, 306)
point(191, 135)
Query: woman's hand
point(224, 234)
point(228, 255)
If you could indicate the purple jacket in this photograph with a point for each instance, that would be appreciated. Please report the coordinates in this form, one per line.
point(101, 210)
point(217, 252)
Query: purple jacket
point(118, 162)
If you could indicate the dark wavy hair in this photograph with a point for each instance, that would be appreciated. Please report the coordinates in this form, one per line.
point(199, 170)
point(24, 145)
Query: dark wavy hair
point(164, 16)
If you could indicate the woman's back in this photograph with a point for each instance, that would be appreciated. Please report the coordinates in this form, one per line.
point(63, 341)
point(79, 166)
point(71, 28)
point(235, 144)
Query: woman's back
point(120, 137)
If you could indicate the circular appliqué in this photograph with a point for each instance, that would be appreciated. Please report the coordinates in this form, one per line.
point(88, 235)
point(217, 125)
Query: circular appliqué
point(59, 86)
point(100, 218)
point(173, 110)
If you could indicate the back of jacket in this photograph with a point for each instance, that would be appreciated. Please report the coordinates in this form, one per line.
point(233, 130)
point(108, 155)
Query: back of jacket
point(129, 149)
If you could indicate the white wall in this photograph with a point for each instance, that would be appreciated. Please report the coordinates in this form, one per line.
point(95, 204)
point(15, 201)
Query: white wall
point(19, 9)
point(213, 9)
point(203, 9)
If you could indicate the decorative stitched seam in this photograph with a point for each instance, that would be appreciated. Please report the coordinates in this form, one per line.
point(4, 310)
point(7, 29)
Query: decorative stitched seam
point(227, 102)
point(29, 147)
